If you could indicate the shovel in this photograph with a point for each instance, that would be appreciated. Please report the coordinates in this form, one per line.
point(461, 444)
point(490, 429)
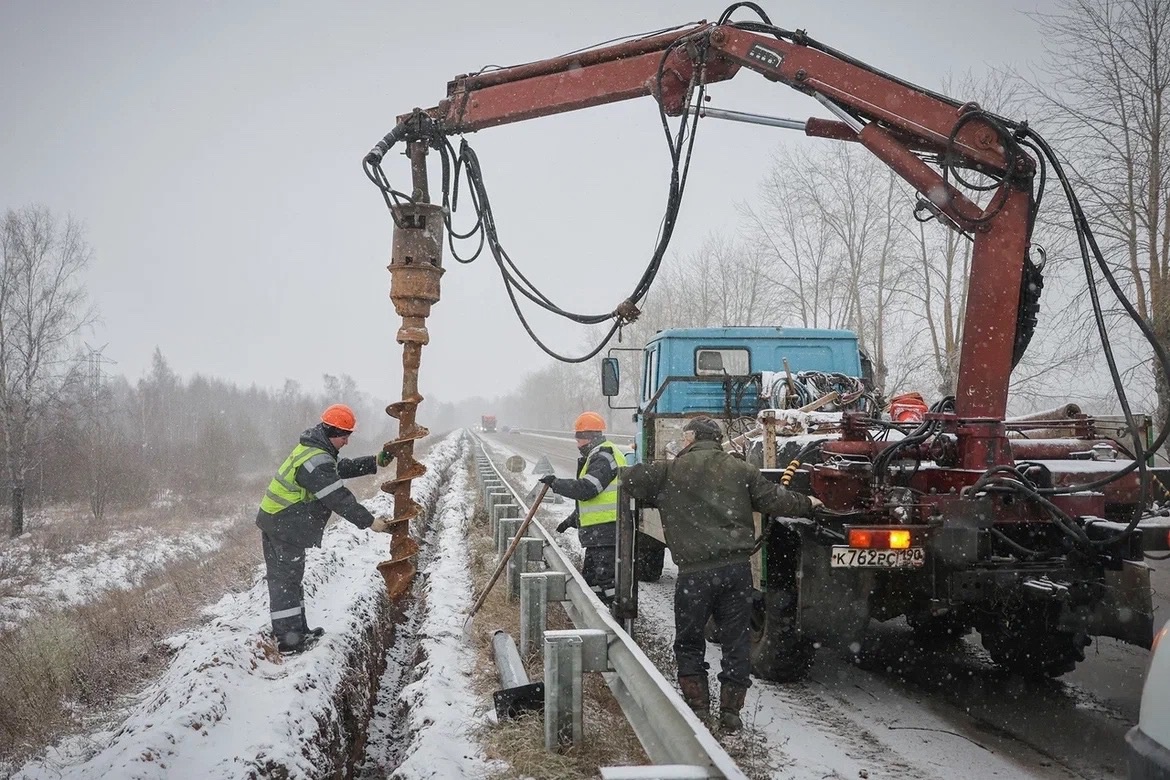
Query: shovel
point(507, 555)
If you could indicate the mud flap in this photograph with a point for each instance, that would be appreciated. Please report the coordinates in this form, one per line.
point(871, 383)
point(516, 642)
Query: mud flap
point(1126, 612)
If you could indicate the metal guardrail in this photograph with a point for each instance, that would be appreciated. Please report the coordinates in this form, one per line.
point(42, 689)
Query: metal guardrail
point(675, 740)
point(616, 438)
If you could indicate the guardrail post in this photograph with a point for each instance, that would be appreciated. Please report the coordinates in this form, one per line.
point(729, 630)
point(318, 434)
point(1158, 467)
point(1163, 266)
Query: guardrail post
point(505, 530)
point(562, 690)
point(528, 551)
point(567, 655)
point(500, 511)
point(497, 497)
point(500, 498)
point(534, 598)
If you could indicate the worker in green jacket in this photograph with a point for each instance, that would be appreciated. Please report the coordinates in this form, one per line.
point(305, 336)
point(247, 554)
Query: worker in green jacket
point(706, 497)
point(306, 490)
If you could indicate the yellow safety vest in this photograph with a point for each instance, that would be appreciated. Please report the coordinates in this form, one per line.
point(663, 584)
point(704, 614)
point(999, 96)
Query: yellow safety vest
point(602, 508)
point(284, 491)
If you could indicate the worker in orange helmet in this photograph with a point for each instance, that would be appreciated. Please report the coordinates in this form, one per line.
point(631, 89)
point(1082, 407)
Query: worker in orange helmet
point(296, 506)
point(596, 492)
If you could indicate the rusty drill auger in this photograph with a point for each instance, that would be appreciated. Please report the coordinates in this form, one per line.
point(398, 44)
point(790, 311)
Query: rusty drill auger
point(415, 269)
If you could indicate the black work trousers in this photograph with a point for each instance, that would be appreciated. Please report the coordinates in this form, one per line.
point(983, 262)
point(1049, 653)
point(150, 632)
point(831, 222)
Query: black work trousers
point(725, 594)
point(286, 599)
point(600, 572)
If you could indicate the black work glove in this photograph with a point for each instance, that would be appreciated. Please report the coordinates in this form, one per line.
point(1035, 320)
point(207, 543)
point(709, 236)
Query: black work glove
point(572, 521)
point(548, 479)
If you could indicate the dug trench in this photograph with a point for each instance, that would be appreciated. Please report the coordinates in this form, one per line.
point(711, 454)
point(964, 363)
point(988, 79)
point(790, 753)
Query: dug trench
point(370, 733)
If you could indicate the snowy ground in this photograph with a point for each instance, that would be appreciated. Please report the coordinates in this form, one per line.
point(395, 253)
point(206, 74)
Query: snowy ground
point(80, 574)
point(228, 706)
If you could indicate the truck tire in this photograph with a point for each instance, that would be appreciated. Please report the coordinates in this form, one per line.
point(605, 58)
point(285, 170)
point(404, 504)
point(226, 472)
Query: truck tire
point(1039, 652)
point(780, 650)
point(649, 557)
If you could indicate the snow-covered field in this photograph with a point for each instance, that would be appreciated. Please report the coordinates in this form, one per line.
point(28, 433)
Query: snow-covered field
point(81, 573)
point(229, 706)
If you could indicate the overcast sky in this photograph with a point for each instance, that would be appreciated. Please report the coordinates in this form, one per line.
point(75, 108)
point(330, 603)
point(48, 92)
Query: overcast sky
point(213, 150)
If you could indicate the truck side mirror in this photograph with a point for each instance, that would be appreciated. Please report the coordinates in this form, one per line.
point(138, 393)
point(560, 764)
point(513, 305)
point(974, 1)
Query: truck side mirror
point(610, 377)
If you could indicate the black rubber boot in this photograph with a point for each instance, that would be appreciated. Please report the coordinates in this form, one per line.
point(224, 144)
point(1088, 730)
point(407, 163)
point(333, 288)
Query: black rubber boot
point(696, 692)
point(730, 704)
point(295, 642)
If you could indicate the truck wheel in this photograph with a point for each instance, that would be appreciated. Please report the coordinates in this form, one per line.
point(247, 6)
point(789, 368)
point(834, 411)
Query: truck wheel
point(780, 650)
point(1037, 653)
point(649, 557)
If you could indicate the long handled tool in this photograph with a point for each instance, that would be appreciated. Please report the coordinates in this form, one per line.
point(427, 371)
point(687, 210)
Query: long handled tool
point(507, 554)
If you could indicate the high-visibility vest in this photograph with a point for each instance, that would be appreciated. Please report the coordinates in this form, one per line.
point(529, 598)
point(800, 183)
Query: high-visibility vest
point(284, 491)
point(602, 508)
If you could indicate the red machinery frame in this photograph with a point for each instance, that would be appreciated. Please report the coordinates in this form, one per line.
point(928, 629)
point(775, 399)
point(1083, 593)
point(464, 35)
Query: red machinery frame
point(900, 121)
point(897, 122)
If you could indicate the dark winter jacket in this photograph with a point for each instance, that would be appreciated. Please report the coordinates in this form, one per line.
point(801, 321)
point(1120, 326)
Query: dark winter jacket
point(303, 524)
point(706, 497)
point(601, 470)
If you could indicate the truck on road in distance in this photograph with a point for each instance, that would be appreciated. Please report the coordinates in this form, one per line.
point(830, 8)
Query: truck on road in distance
point(487, 423)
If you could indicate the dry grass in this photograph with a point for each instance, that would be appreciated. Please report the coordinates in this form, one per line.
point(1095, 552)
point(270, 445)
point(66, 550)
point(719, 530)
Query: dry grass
point(63, 667)
point(608, 741)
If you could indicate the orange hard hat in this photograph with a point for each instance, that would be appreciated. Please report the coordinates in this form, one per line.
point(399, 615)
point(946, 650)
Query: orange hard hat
point(589, 421)
point(339, 416)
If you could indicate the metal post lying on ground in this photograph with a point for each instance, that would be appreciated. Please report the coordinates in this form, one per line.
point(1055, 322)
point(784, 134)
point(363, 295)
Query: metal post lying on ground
point(516, 694)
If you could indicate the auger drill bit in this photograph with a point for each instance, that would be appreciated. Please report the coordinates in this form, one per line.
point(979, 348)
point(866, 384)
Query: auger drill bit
point(415, 269)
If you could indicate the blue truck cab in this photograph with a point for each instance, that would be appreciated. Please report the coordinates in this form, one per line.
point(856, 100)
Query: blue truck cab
point(717, 372)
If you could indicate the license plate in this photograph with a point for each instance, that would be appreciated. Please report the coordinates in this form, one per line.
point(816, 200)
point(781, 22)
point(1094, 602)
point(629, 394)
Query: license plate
point(859, 558)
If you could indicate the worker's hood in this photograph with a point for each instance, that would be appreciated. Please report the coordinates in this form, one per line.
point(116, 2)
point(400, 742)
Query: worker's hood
point(315, 437)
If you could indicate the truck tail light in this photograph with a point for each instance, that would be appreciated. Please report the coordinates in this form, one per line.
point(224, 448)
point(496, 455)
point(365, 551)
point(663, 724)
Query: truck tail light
point(880, 538)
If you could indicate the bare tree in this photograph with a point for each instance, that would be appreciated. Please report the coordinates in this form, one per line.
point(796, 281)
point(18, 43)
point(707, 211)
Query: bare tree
point(42, 311)
point(834, 242)
point(1109, 61)
point(95, 403)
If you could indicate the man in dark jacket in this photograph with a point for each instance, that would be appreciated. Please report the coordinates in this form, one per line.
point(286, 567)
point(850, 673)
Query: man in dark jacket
point(296, 506)
point(596, 492)
point(706, 497)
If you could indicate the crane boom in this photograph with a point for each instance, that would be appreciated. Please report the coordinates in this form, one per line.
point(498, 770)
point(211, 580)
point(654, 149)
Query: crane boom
point(903, 125)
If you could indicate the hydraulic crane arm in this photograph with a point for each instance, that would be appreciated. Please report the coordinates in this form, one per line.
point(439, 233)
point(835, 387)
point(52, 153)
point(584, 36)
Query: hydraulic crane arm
point(905, 126)
point(893, 119)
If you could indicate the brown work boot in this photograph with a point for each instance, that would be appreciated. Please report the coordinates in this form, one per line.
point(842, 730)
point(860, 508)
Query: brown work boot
point(696, 693)
point(730, 703)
